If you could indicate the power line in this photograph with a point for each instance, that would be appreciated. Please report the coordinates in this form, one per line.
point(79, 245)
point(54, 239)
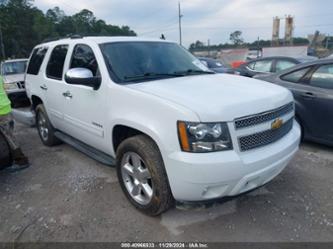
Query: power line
point(254, 27)
point(161, 29)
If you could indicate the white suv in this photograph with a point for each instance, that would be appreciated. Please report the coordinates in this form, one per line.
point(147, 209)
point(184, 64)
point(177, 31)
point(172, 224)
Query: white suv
point(174, 129)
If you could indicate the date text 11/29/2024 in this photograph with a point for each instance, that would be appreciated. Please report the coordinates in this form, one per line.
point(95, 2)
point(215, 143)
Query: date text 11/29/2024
point(164, 245)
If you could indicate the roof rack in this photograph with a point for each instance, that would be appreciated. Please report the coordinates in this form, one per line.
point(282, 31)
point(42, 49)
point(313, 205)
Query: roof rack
point(70, 36)
point(50, 40)
point(76, 36)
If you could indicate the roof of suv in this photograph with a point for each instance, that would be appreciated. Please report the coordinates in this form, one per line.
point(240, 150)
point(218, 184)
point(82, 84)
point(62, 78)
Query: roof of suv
point(103, 39)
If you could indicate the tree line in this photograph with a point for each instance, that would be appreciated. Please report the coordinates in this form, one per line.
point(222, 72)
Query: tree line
point(23, 25)
point(236, 41)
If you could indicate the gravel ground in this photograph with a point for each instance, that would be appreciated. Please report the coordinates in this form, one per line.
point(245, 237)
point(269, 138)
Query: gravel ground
point(66, 196)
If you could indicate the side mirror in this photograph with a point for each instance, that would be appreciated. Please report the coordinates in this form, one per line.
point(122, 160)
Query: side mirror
point(82, 76)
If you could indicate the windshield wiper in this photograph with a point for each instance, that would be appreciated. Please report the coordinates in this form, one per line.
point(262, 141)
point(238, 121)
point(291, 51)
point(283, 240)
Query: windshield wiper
point(152, 75)
point(193, 71)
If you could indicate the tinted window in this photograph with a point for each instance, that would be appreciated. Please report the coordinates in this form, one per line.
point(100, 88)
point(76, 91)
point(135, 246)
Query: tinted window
point(323, 77)
point(251, 65)
point(15, 67)
point(215, 64)
point(36, 60)
point(205, 63)
point(295, 76)
point(263, 66)
point(283, 64)
point(84, 57)
point(55, 66)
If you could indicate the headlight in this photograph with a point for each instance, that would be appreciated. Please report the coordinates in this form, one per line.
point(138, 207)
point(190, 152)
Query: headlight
point(204, 137)
point(10, 86)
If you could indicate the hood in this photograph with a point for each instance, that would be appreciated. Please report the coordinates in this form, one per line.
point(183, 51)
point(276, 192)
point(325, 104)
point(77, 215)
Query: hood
point(218, 97)
point(13, 78)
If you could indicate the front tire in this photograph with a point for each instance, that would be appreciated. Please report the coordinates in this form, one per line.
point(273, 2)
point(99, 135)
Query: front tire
point(142, 175)
point(45, 128)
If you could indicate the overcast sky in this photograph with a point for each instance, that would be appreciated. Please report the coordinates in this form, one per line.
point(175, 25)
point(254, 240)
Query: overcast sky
point(205, 19)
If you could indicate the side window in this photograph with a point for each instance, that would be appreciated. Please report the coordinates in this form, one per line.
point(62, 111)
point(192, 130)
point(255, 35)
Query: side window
point(295, 76)
point(323, 77)
point(263, 66)
point(55, 65)
point(283, 64)
point(84, 57)
point(251, 65)
point(36, 60)
point(204, 62)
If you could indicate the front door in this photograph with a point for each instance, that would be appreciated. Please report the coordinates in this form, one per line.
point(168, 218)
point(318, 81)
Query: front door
point(84, 107)
point(319, 97)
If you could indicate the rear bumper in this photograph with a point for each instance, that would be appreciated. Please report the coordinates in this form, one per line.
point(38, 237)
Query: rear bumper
point(18, 96)
point(24, 116)
point(199, 177)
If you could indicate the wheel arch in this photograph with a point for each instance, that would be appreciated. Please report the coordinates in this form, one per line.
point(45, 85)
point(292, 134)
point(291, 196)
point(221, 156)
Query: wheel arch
point(35, 100)
point(122, 131)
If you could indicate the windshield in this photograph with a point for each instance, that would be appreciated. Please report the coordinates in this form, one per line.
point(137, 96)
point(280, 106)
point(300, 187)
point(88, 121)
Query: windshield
point(15, 67)
point(143, 61)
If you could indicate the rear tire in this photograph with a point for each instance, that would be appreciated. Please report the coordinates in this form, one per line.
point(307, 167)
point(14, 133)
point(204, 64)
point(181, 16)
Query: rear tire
point(142, 175)
point(5, 153)
point(45, 128)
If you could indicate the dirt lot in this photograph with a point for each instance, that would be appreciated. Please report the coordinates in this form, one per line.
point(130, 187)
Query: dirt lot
point(66, 196)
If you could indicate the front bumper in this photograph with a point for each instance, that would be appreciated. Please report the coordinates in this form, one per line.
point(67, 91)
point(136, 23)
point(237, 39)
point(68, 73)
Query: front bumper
point(199, 177)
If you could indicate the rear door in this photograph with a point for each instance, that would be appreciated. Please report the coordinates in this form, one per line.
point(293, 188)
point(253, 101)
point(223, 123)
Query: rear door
point(53, 85)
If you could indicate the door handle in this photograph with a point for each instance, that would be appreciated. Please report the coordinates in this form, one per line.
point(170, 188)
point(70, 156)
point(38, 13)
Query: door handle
point(43, 87)
point(67, 94)
point(308, 95)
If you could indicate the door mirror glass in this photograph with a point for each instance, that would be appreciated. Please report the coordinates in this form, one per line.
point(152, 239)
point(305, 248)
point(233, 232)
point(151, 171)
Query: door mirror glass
point(82, 76)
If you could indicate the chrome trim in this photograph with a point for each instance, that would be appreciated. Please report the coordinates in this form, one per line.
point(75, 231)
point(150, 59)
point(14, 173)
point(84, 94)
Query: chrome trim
point(289, 108)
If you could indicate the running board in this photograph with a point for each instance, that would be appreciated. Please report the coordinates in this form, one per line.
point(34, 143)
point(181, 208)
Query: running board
point(86, 149)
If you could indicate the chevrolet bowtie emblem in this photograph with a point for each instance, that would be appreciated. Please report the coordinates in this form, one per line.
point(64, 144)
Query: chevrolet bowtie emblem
point(276, 124)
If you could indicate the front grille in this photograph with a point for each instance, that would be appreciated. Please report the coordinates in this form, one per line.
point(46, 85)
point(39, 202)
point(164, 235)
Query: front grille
point(20, 84)
point(263, 138)
point(263, 117)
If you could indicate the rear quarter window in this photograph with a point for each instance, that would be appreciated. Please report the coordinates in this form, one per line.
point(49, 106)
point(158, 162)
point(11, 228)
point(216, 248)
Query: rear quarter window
point(36, 60)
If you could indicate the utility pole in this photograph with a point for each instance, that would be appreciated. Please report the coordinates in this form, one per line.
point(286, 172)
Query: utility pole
point(208, 46)
point(180, 23)
point(2, 46)
point(258, 47)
